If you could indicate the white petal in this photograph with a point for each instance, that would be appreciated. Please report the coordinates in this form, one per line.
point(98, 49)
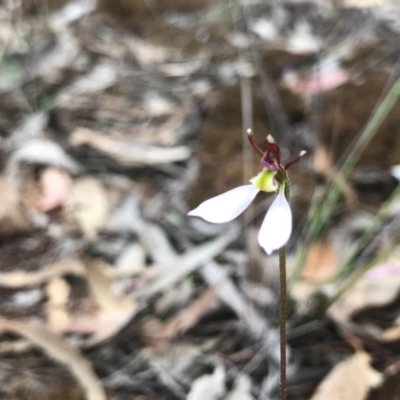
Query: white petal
point(277, 225)
point(395, 171)
point(227, 206)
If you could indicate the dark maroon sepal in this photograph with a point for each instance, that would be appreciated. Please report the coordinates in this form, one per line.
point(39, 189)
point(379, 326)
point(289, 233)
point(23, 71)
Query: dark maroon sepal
point(295, 160)
point(273, 148)
point(271, 157)
point(250, 138)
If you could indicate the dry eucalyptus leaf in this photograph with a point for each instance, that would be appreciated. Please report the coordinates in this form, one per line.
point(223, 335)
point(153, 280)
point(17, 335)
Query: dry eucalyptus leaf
point(53, 59)
point(40, 151)
point(89, 206)
point(30, 127)
point(166, 133)
point(71, 12)
point(175, 267)
point(302, 291)
point(114, 312)
point(176, 358)
point(182, 69)
point(101, 286)
point(145, 52)
point(61, 351)
point(58, 292)
point(131, 261)
point(182, 294)
point(156, 330)
point(321, 262)
point(10, 208)
point(157, 105)
point(228, 293)
point(210, 387)
point(127, 151)
point(365, 3)
point(351, 379)
point(27, 298)
point(16, 346)
point(102, 76)
point(20, 279)
point(241, 390)
point(100, 327)
point(392, 334)
point(377, 288)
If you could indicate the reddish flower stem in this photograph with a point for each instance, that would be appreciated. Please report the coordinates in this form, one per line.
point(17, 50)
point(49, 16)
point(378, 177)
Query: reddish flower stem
point(282, 321)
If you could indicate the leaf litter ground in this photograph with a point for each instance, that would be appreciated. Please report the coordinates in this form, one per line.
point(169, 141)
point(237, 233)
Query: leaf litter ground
point(115, 119)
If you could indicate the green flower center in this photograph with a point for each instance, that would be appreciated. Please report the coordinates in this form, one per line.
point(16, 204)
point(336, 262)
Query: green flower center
point(265, 181)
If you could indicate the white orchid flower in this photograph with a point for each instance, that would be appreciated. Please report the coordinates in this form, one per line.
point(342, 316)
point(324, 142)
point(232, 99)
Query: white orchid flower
point(276, 228)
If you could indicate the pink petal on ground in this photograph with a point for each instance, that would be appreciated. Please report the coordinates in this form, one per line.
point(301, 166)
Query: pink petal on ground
point(55, 185)
point(311, 84)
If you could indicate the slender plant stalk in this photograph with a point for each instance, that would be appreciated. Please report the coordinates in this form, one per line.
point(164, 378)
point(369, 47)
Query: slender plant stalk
point(282, 303)
point(282, 320)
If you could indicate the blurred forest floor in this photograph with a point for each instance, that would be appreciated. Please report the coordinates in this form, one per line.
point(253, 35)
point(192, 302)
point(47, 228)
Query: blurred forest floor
point(119, 116)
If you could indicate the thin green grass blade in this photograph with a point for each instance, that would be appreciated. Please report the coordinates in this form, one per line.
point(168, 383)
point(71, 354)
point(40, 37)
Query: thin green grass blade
point(317, 220)
point(350, 264)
